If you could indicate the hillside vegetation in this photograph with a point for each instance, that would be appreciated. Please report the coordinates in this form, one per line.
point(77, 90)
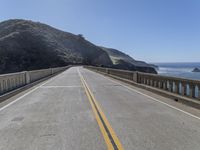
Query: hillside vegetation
point(28, 45)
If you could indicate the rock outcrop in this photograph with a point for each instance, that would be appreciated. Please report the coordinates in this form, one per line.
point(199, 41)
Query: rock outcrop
point(196, 70)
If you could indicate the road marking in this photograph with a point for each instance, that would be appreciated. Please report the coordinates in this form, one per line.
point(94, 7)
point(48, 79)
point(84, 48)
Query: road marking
point(19, 98)
point(109, 135)
point(73, 86)
point(152, 98)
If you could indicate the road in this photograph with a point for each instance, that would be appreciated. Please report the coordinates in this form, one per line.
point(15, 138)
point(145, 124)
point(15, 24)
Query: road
point(80, 109)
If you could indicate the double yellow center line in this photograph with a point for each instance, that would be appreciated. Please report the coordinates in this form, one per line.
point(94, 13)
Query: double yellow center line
point(108, 133)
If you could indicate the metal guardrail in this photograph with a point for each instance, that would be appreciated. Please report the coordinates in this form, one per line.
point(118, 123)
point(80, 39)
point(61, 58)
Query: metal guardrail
point(184, 87)
point(9, 82)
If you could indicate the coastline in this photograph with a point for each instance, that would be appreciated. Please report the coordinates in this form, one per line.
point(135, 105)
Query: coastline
point(183, 70)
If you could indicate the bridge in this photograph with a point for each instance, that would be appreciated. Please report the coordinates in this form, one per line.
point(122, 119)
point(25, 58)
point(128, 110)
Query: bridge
point(95, 109)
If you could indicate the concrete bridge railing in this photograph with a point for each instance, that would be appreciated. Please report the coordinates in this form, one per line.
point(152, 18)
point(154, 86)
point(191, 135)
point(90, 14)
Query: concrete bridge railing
point(183, 87)
point(9, 82)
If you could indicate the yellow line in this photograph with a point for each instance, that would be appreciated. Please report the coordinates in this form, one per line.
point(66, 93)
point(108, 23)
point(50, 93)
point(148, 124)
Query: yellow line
point(103, 131)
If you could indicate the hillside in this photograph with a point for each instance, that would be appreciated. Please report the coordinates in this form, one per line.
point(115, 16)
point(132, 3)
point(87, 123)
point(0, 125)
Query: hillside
point(121, 60)
point(28, 45)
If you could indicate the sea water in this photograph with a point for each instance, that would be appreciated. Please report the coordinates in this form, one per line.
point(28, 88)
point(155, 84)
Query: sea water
point(183, 70)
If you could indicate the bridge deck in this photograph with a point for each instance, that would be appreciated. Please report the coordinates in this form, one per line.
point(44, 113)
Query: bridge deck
point(58, 115)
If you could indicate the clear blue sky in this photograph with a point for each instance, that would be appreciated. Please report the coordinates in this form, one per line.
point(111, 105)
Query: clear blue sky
point(150, 30)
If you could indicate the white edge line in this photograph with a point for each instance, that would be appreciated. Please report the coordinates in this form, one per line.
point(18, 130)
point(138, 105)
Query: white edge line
point(78, 72)
point(154, 99)
point(49, 80)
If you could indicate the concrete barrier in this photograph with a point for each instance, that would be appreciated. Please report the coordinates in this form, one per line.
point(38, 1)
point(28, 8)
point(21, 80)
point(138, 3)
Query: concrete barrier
point(180, 88)
point(12, 81)
point(56, 70)
point(9, 82)
point(130, 75)
point(39, 74)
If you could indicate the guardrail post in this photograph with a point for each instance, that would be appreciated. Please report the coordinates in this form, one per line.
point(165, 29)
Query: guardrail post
point(176, 87)
point(136, 77)
point(51, 71)
point(1, 88)
point(198, 95)
point(192, 90)
point(163, 85)
point(27, 77)
point(107, 71)
point(184, 89)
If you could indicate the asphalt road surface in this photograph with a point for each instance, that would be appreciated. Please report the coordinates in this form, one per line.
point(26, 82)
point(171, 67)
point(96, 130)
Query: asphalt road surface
point(83, 110)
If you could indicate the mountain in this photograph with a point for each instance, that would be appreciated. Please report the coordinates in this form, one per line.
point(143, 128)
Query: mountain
point(28, 45)
point(121, 60)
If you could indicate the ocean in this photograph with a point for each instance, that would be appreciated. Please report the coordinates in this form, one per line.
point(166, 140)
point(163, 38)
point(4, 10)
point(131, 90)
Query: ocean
point(183, 70)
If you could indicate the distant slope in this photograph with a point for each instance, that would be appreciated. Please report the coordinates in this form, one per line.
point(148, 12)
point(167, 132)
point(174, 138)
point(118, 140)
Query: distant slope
point(28, 45)
point(121, 60)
